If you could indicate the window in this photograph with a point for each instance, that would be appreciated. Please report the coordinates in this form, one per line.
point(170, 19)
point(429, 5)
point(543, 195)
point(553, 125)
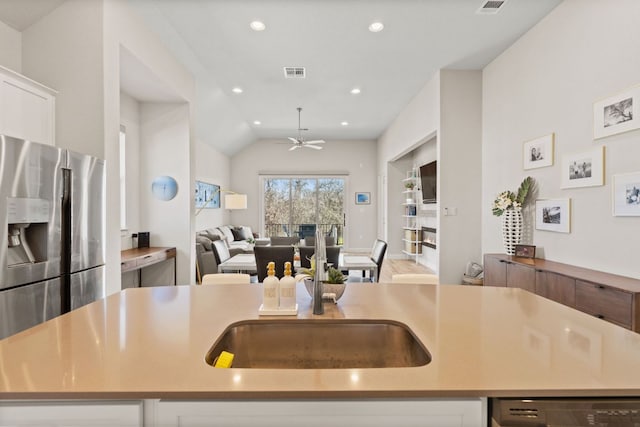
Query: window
point(293, 206)
point(123, 178)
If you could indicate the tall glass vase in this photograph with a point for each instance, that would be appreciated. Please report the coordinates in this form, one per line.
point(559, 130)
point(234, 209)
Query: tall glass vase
point(511, 229)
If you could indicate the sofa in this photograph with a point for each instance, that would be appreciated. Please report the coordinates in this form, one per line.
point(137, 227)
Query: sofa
point(238, 240)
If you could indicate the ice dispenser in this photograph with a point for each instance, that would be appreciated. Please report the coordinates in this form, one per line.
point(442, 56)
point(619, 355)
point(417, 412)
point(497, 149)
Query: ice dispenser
point(28, 223)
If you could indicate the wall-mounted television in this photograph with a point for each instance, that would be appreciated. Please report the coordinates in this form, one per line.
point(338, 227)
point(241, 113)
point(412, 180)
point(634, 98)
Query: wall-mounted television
point(429, 181)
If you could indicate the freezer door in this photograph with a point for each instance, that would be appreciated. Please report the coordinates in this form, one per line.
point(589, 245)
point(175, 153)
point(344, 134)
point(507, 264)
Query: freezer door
point(87, 286)
point(87, 211)
point(30, 212)
point(26, 306)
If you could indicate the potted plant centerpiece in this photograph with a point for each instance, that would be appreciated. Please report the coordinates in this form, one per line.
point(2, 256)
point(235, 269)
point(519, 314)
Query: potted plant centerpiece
point(509, 206)
point(332, 288)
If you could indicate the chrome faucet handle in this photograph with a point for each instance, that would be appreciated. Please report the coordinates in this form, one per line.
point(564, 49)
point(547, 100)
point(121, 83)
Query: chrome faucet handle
point(320, 273)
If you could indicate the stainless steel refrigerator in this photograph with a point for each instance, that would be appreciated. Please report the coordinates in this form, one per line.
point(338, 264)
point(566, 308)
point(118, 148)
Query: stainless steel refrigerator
point(52, 232)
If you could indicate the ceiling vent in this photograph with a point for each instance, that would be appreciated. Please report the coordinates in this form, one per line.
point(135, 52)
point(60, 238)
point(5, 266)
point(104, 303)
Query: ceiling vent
point(491, 7)
point(294, 73)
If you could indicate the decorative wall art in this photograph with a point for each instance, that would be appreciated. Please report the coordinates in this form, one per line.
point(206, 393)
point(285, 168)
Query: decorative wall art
point(626, 194)
point(617, 114)
point(553, 215)
point(538, 153)
point(164, 188)
point(207, 195)
point(363, 198)
point(584, 169)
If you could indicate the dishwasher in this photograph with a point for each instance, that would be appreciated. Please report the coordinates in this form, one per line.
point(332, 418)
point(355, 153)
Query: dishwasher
point(565, 412)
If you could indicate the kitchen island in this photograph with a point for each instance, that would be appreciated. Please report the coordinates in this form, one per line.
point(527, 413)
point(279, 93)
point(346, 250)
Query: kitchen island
point(150, 343)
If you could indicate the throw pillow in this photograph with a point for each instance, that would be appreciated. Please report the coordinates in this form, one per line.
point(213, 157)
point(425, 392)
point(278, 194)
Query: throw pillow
point(213, 234)
point(247, 234)
point(226, 231)
point(204, 241)
point(237, 234)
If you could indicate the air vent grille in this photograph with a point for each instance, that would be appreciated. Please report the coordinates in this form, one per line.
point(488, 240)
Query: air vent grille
point(491, 7)
point(294, 73)
point(523, 412)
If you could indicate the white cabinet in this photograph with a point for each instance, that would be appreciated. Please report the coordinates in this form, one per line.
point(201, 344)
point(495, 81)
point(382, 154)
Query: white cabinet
point(412, 232)
point(71, 413)
point(27, 108)
point(334, 413)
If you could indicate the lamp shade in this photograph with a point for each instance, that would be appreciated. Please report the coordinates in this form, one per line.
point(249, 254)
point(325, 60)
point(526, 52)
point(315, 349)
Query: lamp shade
point(235, 201)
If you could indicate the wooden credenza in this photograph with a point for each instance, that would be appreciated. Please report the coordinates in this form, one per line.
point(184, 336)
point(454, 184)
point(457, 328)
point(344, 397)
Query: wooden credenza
point(613, 298)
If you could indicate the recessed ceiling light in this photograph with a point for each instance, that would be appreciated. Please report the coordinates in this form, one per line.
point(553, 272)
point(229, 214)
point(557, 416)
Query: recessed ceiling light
point(257, 122)
point(257, 26)
point(355, 91)
point(376, 27)
point(344, 123)
point(236, 90)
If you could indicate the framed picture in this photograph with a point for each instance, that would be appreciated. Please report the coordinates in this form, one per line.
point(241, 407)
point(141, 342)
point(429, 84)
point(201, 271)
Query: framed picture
point(207, 195)
point(617, 114)
point(626, 194)
point(584, 169)
point(525, 251)
point(553, 215)
point(363, 198)
point(538, 153)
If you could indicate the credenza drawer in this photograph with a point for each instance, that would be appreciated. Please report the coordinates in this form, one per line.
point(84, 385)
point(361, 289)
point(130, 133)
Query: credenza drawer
point(605, 302)
point(128, 265)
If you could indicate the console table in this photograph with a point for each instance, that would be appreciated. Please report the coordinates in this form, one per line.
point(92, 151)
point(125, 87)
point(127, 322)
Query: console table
point(611, 297)
point(139, 258)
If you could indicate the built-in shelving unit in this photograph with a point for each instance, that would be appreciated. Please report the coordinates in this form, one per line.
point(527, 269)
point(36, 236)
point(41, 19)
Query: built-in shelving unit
point(412, 232)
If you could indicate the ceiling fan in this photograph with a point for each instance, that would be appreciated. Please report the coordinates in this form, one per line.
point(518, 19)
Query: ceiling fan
point(300, 142)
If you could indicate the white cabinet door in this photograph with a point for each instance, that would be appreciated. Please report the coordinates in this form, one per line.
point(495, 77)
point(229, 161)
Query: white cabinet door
point(27, 109)
point(339, 413)
point(71, 413)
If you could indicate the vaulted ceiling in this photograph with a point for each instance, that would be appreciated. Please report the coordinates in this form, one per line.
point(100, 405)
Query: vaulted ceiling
point(331, 40)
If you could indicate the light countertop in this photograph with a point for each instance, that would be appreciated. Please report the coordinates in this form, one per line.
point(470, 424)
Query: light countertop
point(484, 341)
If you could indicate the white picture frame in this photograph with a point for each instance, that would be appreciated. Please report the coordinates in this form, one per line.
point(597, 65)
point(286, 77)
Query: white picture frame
point(538, 152)
point(585, 169)
point(553, 215)
point(626, 194)
point(616, 114)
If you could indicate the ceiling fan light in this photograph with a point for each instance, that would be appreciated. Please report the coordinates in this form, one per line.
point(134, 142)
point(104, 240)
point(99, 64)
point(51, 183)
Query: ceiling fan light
point(344, 123)
point(355, 91)
point(237, 90)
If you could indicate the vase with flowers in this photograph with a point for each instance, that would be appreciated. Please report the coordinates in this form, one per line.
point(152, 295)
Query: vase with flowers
point(509, 206)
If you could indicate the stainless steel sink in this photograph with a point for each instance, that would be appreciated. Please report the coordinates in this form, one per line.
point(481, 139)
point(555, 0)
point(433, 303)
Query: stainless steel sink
point(320, 344)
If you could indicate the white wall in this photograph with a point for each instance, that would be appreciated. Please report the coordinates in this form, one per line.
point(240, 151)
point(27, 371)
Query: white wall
point(76, 49)
point(130, 119)
point(447, 113)
point(547, 82)
point(164, 126)
point(213, 167)
point(63, 50)
point(10, 48)
point(355, 158)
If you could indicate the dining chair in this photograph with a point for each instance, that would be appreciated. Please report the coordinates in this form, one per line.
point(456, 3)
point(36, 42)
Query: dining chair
point(221, 251)
point(277, 254)
point(284, 240)
point(418, 278)
point(333, 255)
point(311, 241)
point(377, 256)
point(226, 278)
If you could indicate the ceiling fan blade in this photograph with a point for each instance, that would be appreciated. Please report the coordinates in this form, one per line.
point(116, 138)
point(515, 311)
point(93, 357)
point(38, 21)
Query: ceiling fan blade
point(317, 141)
point(294, 147)
point(295, 141)
point(315, 147)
